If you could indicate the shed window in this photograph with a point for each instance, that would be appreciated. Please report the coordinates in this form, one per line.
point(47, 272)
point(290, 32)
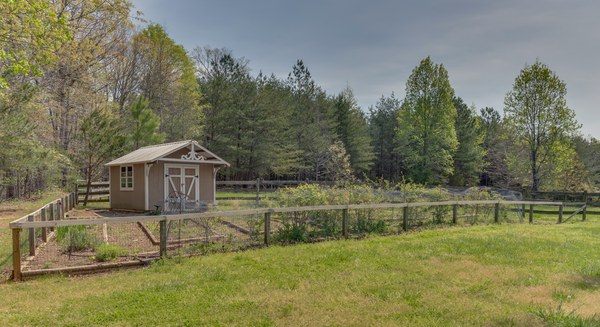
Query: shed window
point(127, 178)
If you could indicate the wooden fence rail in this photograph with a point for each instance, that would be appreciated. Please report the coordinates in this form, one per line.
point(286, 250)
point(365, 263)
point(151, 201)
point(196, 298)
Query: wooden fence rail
point(53, 211)
point(54, 221)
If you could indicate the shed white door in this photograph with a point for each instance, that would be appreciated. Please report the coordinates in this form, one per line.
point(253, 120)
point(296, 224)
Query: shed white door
point(182, 188)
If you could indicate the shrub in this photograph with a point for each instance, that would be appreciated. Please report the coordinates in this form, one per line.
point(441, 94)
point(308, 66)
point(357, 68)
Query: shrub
point(107, 252)
point(74, 238)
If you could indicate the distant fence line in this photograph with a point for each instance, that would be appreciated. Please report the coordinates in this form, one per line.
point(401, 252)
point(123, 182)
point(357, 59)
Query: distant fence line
point(100, 192)
point(591, 198)
point(145, 238)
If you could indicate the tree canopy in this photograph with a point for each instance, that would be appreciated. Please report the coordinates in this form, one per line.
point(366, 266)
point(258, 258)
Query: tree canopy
point(537, 112)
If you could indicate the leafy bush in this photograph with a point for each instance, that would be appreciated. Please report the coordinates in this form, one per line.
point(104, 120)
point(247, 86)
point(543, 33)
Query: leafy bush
point(75, 238)
point(107, 252)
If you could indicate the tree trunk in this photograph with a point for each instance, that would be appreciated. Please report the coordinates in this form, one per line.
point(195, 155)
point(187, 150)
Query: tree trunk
point(89, 184)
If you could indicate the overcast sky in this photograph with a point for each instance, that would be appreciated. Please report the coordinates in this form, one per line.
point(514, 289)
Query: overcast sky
point(372, 46)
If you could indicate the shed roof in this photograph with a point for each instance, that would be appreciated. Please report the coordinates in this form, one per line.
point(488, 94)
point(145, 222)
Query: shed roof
point(154, 152)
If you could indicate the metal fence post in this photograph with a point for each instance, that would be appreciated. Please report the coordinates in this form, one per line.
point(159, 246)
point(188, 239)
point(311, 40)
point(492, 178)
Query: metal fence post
point(405, 218)
point(44, 229)
point(267, 228)
point(497, 212)
point(345, 223)
point(163, 238)
point(531, 213)
point(454, 213)
point(16, 232)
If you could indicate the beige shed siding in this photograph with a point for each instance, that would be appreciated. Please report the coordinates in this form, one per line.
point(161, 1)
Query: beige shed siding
point(127, 199)
point(206, 183)
point(156, 190)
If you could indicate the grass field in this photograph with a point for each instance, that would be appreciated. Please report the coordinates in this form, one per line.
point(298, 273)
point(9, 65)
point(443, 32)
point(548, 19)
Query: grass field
point(495, 275)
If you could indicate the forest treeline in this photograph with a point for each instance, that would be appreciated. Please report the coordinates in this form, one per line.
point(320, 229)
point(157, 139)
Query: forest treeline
point(85, 81)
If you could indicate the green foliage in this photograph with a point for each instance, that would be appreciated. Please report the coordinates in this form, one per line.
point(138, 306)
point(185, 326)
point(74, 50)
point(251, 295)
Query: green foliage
point(170, 84)
point(102, 138)
point(247, 119)
point(496, 145)
point(382, 128)
point(426, 134)
point(588, 151)
point(352, 129)
point(303, 226)
point(75, 238)
point(144, 125)
point(468, 159)
point(312, 121)
point(537, 112)
point(108, 252)
point(31, 31)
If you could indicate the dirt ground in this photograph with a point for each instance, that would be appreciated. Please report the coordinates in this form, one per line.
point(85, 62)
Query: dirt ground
point(137, 240)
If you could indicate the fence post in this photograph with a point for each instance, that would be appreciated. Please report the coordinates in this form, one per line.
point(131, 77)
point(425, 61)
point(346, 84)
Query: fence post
point(31, 237)
point(584, 212)
point(345, 223)
point(44, 229)
point(522, 212)
point(257, 191)
point(59, 209)
point(267, 228)
point(72, 200)
point(16, 233)
point(163, 237)
point(454, 213)
point(405, 218)
point(51, 214)
point(560, 214)
point(531, 213)
point(497, 212)
point(76, 193)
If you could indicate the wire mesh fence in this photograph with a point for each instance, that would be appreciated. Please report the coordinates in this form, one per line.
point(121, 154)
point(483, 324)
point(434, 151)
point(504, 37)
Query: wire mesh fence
point(105, 242)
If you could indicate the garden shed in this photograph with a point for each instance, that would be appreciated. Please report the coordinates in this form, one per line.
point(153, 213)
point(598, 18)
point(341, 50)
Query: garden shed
point(178, 176)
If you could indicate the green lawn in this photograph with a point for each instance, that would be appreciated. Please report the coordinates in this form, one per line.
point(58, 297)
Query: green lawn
point(494, 275)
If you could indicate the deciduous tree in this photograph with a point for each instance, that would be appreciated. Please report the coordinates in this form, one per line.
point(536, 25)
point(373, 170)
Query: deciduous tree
point(537, 111)
point(426, 134)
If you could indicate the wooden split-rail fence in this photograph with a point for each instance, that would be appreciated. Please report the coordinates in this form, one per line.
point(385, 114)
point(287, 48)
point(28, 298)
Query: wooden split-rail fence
point(51, 214)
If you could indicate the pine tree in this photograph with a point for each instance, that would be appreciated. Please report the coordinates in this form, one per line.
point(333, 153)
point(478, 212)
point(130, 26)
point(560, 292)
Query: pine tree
point(352, 129)
point(382, 127)
point(144, 125)
point(468, 159)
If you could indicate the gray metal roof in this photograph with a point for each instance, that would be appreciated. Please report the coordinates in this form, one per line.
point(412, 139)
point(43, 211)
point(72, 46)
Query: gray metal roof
point(154, 152)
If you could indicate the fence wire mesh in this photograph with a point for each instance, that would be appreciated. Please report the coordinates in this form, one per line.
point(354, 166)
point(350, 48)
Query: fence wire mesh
point(139, 239)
